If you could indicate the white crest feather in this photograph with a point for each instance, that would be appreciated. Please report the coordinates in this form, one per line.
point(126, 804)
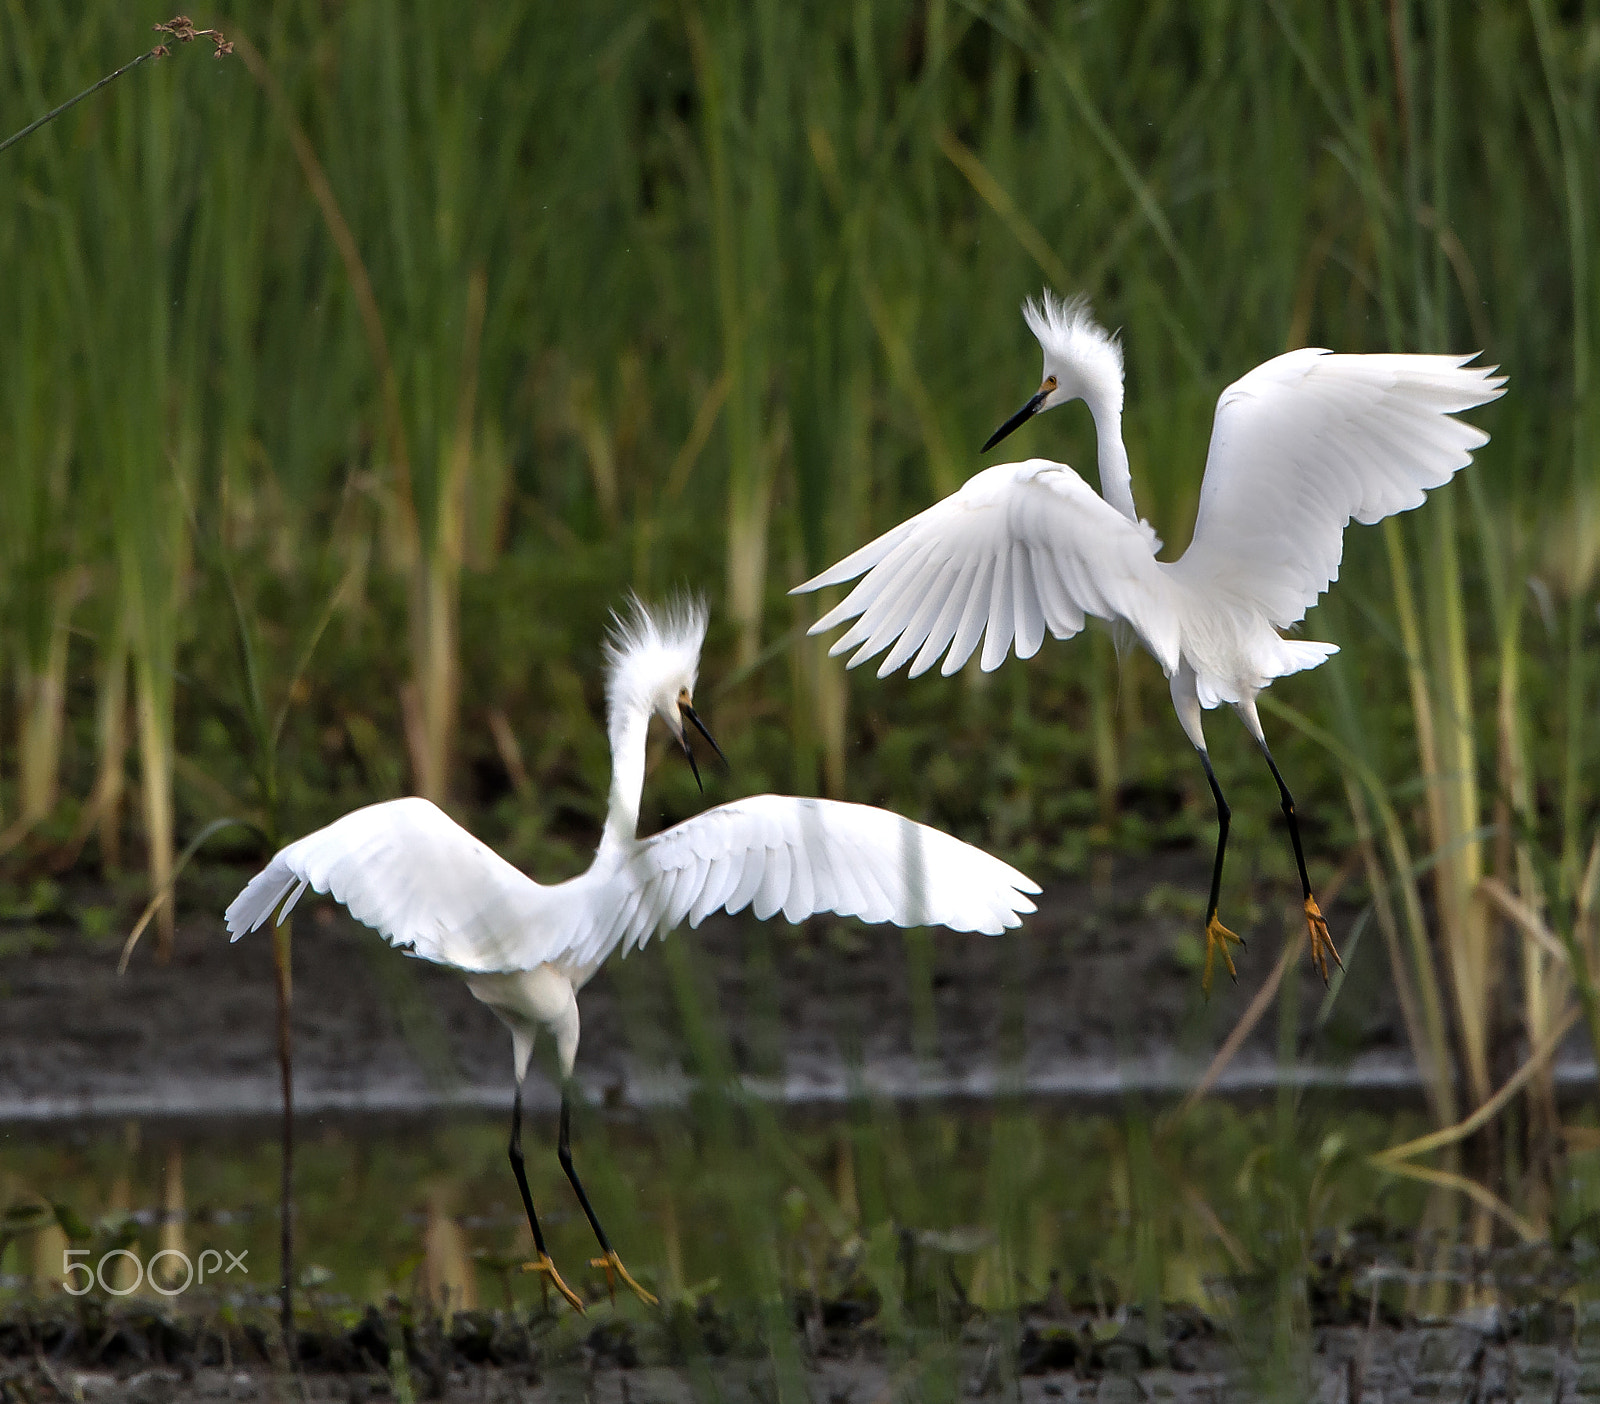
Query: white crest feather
point(1076, 347)
point(650, 650)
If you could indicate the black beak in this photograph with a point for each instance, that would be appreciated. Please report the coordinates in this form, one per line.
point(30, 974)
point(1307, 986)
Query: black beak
point(689, 712)
point(1021, 417)
point(683, 741)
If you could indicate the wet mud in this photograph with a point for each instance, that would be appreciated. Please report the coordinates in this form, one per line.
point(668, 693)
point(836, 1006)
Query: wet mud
point(1097, 994)
point(689, 1352)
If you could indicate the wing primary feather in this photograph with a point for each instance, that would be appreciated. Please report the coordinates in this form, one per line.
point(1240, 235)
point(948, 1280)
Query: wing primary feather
point(717, 879)
point(997, 640)
point(867, 593)
point(1064, 613)
point(858, 561)
point(943, 629)
point(1029, 612)
point(750, 875)
point(802, 897)
point(899, 588)
point(727, 871)
point(915, 630)
point(973, 619)
point(827, 890)
point(774, 886)
point(295, 896)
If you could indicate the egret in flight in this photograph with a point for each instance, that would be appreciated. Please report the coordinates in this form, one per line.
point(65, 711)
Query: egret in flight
point(1299, 447)
point(432, 890)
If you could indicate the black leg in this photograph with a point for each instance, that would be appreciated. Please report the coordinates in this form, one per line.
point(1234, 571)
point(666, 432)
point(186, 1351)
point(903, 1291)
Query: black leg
point(1223, 815)
point(608, 1259)
point(542, 1263)
point(518, 1169)
point(1218, 936)
point(564, 1155)
point(1287, 802)
point(1321, 941)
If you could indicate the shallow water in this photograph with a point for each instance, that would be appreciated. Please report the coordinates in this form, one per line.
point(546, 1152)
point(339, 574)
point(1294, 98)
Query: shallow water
point(992, 1204)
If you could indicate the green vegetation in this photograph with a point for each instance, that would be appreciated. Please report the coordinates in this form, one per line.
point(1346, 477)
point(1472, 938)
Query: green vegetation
point(421, 334)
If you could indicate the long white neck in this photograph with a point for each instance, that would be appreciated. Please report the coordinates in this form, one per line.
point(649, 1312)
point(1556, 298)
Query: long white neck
point(628, 729)
point(1116, 483)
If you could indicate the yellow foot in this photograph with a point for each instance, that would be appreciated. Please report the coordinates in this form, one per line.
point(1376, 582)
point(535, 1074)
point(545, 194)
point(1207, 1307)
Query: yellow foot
point(1217, 938)
point(614, 1269)
point(1321, 943)
point(543, 1264)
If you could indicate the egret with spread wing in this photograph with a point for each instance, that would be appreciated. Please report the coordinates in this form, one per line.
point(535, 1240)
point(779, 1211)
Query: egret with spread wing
point(1299, 447)
point(431, 889)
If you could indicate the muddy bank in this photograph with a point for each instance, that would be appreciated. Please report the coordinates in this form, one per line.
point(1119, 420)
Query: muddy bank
point(1096, 994)
point(689, 1352)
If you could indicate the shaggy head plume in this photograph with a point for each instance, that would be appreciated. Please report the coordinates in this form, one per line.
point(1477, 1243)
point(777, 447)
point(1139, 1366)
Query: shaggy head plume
point(653, 654)
point(1082, 355)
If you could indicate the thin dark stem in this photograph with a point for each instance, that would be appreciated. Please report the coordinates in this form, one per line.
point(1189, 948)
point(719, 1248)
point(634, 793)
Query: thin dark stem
point(158, 52)
point(281, 961)
point(1223, 815)
point(180, 27)
point(564, 1155)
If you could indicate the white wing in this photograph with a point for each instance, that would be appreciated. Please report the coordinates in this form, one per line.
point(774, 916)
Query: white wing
point(1019, 548)
point(414, 875)
point(427, 886)
point(775, 853)
point(1306, 442)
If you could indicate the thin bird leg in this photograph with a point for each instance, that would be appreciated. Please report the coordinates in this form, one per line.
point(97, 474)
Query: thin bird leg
point(609, 1261)
point(1217, 935)
point(1321, 942)
point(541, 1264)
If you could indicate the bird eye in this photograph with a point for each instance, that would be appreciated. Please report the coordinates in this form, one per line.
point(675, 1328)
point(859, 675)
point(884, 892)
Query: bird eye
point(1049, 384)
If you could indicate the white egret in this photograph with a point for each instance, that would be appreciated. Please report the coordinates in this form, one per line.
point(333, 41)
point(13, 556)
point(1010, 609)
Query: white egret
point(1299, 446)
point(429, 888)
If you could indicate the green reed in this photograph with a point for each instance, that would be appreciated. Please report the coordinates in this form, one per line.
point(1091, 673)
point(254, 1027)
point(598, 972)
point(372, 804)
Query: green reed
point(1505, 804)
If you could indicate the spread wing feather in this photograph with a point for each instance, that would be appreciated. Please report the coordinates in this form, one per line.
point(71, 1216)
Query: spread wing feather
point(1307, 442)
point(1019, 550)
point(414, 875)
point(427, 886)
point(802, 856)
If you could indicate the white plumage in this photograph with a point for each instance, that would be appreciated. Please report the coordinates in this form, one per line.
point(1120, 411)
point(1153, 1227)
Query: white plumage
point(430, 888)
point(1019, 549)
point(409, 871)
point(1300, 446)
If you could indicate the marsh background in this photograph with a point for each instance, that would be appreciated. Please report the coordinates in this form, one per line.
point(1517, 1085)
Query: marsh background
point(347, 382)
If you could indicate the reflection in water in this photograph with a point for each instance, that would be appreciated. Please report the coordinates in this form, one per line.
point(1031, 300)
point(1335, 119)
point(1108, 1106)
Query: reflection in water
point(448, 1280)
point(671, 1245)
point(118, 1274)
point(50, 1246)
point(169, 1270)
point(919, 1208)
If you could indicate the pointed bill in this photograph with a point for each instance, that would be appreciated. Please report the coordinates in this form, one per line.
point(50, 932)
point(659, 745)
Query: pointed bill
point(686, 711)
point(700, 726)
point(1021, 417)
